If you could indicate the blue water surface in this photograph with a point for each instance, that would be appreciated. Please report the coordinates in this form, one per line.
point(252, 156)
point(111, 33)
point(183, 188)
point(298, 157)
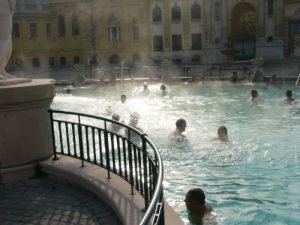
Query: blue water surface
point(252, 179)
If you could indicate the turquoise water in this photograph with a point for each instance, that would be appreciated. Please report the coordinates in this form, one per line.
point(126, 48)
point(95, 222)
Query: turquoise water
point(253, 179)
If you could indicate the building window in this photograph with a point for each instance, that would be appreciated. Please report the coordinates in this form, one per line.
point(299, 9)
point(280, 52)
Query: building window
point(31, 5)
point(48, 30)
point(16, 30)
point(156, 15)
point(217, 11)
point(175, 14)
point(196, 42)
point(36, 62)
point(33, 30)
point(135, 30)
point(75, 26)
point(51, 62)
point(157, 43)
point(270, 39)
point(76, 60)
point(270, 7)
point(114, 60)
point(114, 29)
point(62, 61)
point(196, 59)
point(61, 26)
point(176, 42)
point(196, 12)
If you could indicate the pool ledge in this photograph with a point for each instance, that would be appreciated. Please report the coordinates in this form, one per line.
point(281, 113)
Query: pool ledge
point(115, 192)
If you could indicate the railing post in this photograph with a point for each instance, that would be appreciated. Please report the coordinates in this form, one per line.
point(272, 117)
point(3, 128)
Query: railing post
point(162, 213)
point(144, 150)
point(106, 150)
point(80, 142)
point(130, 162)
point(53, 135)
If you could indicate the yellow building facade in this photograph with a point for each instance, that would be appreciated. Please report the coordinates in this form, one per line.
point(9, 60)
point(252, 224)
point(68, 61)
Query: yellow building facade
point(57, 33)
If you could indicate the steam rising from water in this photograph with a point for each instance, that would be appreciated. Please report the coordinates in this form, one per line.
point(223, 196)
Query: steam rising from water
point(253, 179)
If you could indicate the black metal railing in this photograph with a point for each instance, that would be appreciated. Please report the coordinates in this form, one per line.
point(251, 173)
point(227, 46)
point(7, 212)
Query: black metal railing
point(120, 149)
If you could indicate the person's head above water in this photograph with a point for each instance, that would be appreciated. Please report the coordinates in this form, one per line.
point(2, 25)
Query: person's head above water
point(288, 93)
point(123, 98)
point(116, 117)
point(222, 133)
point(196, 204)
point(180, 125)
point(145, 86)
point(163, 88)
point(134, 119)
point(254, 93)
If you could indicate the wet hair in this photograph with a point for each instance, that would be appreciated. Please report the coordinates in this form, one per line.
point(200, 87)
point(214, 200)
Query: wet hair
point(116, 117)
point(222, 129)
point(180, 123)
point(163, 87)
point(196, 194)
point(288, 93)
point(254, 92)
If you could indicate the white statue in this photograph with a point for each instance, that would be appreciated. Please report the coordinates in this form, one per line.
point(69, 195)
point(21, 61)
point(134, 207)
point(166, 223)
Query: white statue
point(7, 8)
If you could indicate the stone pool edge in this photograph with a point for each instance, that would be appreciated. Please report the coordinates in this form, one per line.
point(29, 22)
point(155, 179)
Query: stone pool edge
point(115, 192)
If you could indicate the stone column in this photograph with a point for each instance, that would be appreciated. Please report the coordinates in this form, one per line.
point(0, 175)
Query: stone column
point(278, 18)
point(224, 25)
point(261, 19)
point(208, 18)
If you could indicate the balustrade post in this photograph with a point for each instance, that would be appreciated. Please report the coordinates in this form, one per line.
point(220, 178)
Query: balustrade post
point(80, 142)
point(53, 135)
point(107, 151)
point(144, 150)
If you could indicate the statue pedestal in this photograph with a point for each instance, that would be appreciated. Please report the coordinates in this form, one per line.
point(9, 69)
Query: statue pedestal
point(25, 134)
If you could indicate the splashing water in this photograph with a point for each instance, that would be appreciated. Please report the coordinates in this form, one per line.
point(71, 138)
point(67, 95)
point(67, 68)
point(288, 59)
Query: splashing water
point(253, 179)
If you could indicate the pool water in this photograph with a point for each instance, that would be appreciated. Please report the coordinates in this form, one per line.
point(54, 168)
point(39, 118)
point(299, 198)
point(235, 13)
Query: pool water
point(252, 179)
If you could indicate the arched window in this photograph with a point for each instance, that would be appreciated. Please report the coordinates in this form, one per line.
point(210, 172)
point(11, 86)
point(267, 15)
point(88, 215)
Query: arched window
point(113, 28)
point(270, 7)
point(75, 26)
point(76, 60)
point(51, 62)
point(61, 26)
point(36, 62)
point(217, 11)
point(195, 12)
point(62, 61)
point(135, 29)
point(176, 14)
point(156, 15)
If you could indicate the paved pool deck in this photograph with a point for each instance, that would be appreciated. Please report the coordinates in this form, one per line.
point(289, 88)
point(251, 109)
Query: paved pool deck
point(47, 201)
point(68, 193)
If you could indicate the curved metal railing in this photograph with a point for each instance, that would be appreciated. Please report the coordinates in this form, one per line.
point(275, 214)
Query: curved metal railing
point(117, 147)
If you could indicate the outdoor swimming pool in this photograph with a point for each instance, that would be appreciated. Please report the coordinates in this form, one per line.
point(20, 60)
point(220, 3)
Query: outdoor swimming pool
point(253, 179)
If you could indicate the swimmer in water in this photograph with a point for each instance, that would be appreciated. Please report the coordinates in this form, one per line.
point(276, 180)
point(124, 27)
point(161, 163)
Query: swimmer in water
point(146, 90)
point(196, 206)
point(254, 95)
point(163, 89)
point(289, 97)
point(222, 134)
point(177, 135)
point(123, 98)
point(116, 127)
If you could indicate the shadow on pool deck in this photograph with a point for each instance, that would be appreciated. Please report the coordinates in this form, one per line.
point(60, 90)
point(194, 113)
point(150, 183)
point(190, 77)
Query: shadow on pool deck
point(115, 192)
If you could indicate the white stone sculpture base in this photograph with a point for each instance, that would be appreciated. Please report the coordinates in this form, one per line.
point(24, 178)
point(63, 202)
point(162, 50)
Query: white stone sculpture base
point(25, 134)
